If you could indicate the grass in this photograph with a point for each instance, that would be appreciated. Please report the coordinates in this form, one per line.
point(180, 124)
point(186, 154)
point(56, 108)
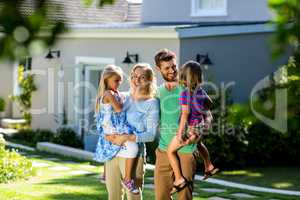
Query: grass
point(60, 185)
point(272, 177)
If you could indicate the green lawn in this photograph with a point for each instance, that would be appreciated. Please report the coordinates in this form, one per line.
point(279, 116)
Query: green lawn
point(48, 184)
point(274, 177)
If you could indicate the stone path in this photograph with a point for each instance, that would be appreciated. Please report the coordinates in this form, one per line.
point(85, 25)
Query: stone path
point(213, 190)
point(243, 196)
point(248, 187)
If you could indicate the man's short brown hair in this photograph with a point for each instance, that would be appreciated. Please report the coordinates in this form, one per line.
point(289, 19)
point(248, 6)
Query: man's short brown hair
point(164, 55)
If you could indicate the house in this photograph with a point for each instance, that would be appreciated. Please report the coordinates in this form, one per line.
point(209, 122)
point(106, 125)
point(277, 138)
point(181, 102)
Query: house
point(233, 33)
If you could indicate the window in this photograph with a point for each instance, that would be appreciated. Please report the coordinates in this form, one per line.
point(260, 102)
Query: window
point(26, 63)
point(207, 8)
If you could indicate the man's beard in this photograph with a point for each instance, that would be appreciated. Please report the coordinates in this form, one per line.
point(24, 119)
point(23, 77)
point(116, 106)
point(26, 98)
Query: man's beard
point(170, 79)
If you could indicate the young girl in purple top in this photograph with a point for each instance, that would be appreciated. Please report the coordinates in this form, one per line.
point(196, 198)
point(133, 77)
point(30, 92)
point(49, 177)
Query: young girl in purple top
point(195, 118)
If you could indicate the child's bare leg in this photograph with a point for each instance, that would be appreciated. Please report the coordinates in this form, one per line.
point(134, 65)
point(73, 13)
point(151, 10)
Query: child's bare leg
point(129, 168)
point(174, 162)
point(205, 156)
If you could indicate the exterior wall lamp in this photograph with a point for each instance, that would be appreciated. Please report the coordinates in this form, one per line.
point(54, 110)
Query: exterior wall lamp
point(128, 60)
point(51, 56)
point(204, 60)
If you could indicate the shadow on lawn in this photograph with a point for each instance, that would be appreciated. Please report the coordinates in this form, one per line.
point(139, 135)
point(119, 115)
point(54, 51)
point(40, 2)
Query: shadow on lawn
point(88, 180)
point(79, 196)
point(96, 191)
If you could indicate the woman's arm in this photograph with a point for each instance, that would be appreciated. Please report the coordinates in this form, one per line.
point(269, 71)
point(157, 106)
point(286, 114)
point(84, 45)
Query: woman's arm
point(110, 98)
point(151, 123)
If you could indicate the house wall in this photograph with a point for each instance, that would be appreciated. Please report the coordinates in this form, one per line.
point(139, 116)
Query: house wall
point(243, 59)
point(6, 86)
point(70, 49)
point(180, 11)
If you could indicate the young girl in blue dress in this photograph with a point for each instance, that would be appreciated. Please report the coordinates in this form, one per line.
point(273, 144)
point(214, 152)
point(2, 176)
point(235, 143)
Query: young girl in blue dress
point(111, 120)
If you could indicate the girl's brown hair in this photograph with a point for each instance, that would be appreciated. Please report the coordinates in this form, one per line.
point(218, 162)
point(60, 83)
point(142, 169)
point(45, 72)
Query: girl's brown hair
point(191, 73)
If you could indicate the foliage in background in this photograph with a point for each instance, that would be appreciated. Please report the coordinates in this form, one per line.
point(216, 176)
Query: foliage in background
point(226, 140)
point(287, 22)
point(64, 136)
point(22, 31)
point(13, 166)
point(2, 104)
point(99, 3)
point(253, 143)
point(29, 27)
point(23, 100)
point(68, 137)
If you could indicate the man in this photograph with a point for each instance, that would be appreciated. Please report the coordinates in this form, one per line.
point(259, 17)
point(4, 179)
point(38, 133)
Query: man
point(168, 94)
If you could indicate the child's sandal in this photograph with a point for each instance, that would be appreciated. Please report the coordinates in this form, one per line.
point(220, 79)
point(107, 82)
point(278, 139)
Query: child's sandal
point(210, 173)
point(178, 188)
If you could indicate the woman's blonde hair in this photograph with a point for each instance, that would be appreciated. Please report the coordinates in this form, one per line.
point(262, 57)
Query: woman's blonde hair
point(149, 89)
point(191, 73)
point(108, 72)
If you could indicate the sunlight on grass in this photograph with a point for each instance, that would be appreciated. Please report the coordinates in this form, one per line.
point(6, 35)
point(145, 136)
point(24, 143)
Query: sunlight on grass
point(236, 172)
point(254, 174)
point(242, 173)
point(49, 184)
point(282, 185)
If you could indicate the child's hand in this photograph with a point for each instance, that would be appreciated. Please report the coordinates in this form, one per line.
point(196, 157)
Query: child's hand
point(171, 85)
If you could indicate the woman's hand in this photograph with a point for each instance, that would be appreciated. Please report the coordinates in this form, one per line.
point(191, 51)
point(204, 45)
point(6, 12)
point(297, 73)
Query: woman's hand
point(109, 137)
point(117, 139)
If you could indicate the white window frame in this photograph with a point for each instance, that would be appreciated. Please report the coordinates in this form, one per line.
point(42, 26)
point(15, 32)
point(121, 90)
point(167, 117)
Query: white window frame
point(196, 12)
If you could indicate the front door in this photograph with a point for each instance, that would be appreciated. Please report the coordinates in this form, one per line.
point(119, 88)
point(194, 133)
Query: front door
point(92, 76)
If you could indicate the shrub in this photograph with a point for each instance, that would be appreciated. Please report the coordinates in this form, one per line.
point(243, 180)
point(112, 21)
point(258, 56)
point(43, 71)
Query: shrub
point(2, 142)
point(68, 137)
point(253, 142)
point(2, 105)
point(43, 135)
point(13, 166)
point(32, 137)
point(25, 135)
point(63, 136)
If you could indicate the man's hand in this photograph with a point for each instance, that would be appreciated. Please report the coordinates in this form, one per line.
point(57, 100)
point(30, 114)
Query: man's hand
point(194, 138)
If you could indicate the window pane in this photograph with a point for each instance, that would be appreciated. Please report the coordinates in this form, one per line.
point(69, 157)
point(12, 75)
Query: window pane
point(211, 4)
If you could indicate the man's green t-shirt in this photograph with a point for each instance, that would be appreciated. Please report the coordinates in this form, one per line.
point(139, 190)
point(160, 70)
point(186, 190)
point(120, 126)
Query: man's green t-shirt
point(169, 118)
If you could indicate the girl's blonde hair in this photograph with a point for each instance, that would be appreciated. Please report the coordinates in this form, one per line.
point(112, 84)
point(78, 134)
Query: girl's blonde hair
point(191, 73)
point(108, 72)
point(149, 89)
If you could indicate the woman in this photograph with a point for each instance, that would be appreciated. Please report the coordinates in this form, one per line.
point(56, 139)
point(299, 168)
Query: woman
point(142, 112)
